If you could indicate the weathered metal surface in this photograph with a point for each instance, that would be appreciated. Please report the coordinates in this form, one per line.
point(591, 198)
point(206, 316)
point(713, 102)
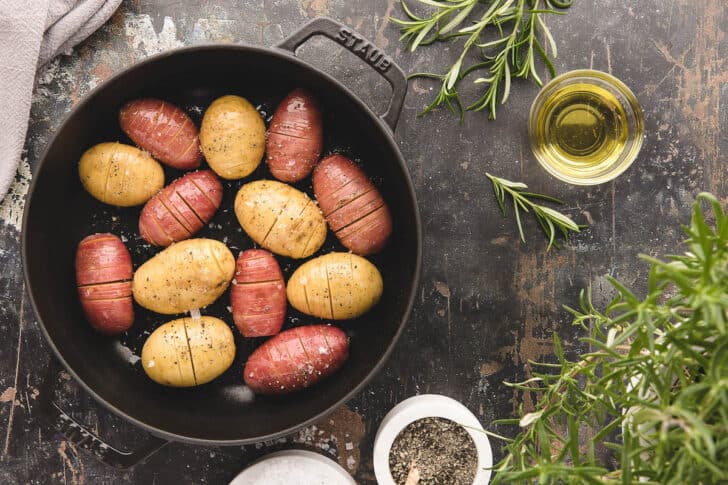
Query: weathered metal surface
point(487, 304)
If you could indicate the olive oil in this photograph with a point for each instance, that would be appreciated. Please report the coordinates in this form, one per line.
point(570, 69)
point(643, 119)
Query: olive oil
point(586, 131)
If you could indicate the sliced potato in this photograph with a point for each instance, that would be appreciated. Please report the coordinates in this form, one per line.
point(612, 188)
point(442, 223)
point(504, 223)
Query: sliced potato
point(188, 352)
point(119, 174)
point(232, 137)
point(187, 275)
point(335, 286)
point(280, 218)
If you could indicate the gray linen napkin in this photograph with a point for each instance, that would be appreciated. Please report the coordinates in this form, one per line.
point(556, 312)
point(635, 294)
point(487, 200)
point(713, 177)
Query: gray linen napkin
point(32, 32)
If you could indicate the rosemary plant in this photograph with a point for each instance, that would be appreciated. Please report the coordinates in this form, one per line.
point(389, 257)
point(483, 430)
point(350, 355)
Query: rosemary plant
point(649, 402)
point(549, 219)
point(523, 37)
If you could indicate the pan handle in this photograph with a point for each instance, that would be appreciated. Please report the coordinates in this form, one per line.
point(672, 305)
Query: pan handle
point(361, 47)
point(82, 437)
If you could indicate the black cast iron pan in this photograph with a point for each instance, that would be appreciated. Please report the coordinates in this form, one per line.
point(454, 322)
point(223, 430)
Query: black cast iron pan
point(59, 213)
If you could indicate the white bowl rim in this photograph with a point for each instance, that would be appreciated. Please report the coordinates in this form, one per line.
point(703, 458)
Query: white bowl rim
point(425, 406)
point(346, 478)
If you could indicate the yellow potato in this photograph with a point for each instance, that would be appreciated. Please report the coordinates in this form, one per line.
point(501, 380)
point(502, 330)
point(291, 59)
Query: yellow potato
point(335, 286)
point(280, 218)
point(188, 352)
point(187, 275)
point(232, 137)
point(119, 174)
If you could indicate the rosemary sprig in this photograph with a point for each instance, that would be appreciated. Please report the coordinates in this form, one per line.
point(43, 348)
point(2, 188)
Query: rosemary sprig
point(549, 219)
point(521, 27)
point(648, 402)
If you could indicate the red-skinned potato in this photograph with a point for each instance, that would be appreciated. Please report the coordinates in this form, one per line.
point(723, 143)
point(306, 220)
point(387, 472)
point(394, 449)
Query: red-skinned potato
point(296, 359)
point(258, 295)
point(181, 209)
point(352, 205)
point(295, 137)
point(103, 278)
point(164, 130)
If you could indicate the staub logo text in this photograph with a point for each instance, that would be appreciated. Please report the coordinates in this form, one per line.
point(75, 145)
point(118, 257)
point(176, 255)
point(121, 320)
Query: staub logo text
point(362, 48)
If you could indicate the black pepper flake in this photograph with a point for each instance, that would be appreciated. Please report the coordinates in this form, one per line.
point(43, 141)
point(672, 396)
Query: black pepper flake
point(443, 451)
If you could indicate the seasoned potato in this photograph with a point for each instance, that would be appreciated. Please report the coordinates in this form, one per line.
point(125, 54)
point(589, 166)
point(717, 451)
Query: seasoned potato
point(103, 278)
point(352, 205)
point(295, 137)
point(232, 137)
point(181, 209)
point(187, 275)
point(119, 174)
point(188, 351)
point(164, 130)
point(280, 218)
point(335, 286)
point(258, 295)
point(296, 359)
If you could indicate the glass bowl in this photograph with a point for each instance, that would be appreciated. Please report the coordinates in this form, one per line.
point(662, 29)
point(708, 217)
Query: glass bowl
point(621, 100)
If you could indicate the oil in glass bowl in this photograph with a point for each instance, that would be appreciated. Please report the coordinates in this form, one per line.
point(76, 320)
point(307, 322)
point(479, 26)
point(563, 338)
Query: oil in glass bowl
point(586, 127)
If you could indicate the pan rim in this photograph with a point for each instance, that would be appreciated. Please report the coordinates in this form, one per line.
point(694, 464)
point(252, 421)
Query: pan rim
point(387, 132)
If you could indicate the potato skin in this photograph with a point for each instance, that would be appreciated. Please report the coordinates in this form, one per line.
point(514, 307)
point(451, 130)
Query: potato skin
point(120, 175)
point(232, 137)
point(164, 130)
point(258, 294)
point(187, 275)
point(188, 352)
point(181, 209)
point(280, 218)
point(336, 286)
point(103, 278)
point(295, 137)
point(352, 205)
point(296, 359)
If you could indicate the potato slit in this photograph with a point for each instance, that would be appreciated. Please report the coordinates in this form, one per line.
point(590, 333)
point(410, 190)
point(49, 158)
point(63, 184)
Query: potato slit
point(190, 208)
point(108, 174)
point(360, 218)
point(253, 283)
point(161, 201)
point(118, 298)
point(97, 268)
point(274, 365)
point(322, 334)
point(105, 283)
point(349, 202)
point(262, 243)
point(361, 229)
point(184, 152)
point(291, 136)
point(308, 357)
point(179, 358)
point(202, 191)
point(181, 128)
point(122, 188)
point(97, 240)
point(305, 296)
point(305, 247)
point(164, 231)
point(217, 261)
point(158, 115)
point(331, 296)
point(300, 221)
point(189, 349)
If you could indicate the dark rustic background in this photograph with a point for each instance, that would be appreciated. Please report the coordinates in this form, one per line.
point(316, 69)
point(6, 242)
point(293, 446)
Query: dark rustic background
point(487, 303)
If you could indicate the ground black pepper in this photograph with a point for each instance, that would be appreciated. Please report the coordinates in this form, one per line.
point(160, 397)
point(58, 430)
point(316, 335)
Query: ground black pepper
point(442, 450)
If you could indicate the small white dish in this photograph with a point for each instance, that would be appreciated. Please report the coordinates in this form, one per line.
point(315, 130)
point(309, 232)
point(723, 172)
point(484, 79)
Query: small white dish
point(294, 467)
point(429, 406)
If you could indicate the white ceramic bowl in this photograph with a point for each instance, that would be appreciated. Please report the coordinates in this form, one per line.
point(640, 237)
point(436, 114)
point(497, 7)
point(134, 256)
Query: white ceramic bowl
point(426, 406)
point(294, 467)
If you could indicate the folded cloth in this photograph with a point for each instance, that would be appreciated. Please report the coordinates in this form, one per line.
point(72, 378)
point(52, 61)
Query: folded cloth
point(32, 32)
